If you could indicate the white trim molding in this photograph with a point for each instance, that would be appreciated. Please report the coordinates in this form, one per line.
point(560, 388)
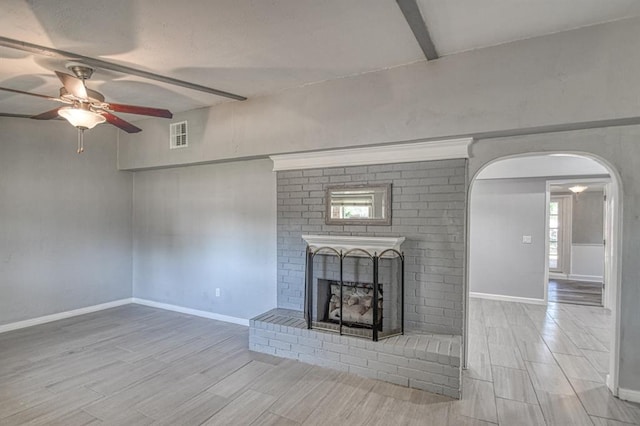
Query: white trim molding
point(609, 382)
point(62, 315)
point(629, 395)
point(507, 298)
point(189, 311)
point(344, 243)
point(386, 154)
point(588, 278)
point(558, 276)
point(95, 308)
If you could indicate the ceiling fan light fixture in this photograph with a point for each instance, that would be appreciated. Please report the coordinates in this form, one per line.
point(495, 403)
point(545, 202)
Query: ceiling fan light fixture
point(81, 118)
point(578, 189)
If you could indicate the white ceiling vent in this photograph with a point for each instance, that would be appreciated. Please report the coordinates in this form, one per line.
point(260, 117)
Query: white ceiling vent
point(178, 135)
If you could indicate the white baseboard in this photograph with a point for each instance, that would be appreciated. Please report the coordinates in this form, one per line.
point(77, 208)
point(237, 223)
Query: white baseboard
point(62, 315)
point(95, 308)
point(629, 395)
point(558, 276)
point(588, 278)
point(507, 298)
point(189, 311)
point(608, 380)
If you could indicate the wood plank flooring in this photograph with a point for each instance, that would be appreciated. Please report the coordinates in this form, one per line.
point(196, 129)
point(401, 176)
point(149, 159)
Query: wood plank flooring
point(575, 292)
point(545, 365)
point(136, 365)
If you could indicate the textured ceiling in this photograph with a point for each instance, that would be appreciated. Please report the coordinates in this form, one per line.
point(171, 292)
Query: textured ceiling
point(256, 47)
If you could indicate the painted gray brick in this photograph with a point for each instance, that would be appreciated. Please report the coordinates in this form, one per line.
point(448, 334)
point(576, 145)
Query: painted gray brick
point(426, 386)
point(290, 174)
point(325, 354)
point(310, 342)
point(286, 354)
point(393, 378)
point(353, 360)
point(335, 171)
point(366, 358)
point(362, 353)
point(339, 179)
point(363, 372)
point(355, 170)
point(393, 360)
point(434, 221)
point(287, 337)
point(382, 367)
point(335, 347)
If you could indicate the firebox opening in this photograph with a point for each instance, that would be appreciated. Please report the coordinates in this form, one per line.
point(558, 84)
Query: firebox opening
point(356, 303)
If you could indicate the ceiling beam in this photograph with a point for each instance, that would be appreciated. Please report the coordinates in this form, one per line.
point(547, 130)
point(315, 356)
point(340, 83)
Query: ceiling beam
point(10, 115)
point(416, 22)
point(100, 64)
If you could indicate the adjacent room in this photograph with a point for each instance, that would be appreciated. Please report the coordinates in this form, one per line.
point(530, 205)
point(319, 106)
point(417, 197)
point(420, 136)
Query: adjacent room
point(299, 212)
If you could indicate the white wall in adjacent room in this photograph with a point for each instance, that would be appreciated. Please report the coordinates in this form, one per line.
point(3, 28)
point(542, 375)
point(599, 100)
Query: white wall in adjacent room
point(207, 227)
point(587, 250)
point(587, 262)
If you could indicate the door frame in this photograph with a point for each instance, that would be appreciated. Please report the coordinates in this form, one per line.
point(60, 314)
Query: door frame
point(606, 219)
point(566, 221)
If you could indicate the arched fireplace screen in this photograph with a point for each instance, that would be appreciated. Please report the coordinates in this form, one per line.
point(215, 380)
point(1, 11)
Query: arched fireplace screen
point(354, 292)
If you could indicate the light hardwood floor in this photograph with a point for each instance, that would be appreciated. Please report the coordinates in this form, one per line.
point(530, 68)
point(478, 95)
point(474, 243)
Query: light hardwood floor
point(576, 292)
point(135, 365)
point(544, 364)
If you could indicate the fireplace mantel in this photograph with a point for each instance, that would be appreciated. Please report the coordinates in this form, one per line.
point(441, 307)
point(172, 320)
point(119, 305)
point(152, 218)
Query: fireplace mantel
point(345, 243)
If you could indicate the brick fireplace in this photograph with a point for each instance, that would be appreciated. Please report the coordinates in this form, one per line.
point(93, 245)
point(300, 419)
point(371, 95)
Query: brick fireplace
point(428, 210)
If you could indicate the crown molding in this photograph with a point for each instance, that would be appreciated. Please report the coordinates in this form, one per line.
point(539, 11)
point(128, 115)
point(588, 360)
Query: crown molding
point(386, 154)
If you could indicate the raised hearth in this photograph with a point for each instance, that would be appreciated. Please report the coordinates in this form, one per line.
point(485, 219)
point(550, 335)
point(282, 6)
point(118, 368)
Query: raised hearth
point(429, 362)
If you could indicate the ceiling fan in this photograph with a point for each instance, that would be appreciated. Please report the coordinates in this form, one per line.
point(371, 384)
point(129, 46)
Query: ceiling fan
point(85, 108)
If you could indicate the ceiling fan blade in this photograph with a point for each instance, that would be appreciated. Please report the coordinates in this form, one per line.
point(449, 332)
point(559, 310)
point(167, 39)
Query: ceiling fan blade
point(141, 110)
point(6, 89)
point(74, 85)
point(120, 123)
point(49, 115)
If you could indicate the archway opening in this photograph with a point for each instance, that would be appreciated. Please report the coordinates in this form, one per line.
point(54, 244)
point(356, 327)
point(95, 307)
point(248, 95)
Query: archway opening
point(526, 226)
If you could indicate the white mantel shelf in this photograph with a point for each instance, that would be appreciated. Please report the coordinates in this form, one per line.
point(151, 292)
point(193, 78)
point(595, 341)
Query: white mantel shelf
point(345, 243)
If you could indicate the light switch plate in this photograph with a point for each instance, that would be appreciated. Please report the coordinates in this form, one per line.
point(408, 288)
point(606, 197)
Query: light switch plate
point(526, 239)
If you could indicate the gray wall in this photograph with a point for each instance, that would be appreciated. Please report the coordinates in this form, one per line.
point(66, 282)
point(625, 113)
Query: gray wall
point(503, 211)
point(428, 208)
point(204, 227)
point(510, 86)
point(619, 146)
point(65, 220)
point(588, 216)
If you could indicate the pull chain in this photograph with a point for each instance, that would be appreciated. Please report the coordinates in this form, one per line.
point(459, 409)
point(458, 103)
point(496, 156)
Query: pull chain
point(80, 141)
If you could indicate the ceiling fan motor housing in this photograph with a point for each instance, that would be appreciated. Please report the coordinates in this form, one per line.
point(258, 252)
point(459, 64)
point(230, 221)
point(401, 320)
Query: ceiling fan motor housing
point(92, 96)
point(83, 72)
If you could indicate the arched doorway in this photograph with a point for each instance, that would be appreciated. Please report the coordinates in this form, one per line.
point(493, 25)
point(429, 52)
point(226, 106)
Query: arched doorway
point(548, 168)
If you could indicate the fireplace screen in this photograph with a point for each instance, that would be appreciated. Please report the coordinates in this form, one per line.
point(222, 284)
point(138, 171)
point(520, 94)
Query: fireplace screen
point(355, 293)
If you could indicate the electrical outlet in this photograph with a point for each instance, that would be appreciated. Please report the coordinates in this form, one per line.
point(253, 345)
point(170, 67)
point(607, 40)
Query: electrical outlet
point(217, 292)
point(526, 239)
